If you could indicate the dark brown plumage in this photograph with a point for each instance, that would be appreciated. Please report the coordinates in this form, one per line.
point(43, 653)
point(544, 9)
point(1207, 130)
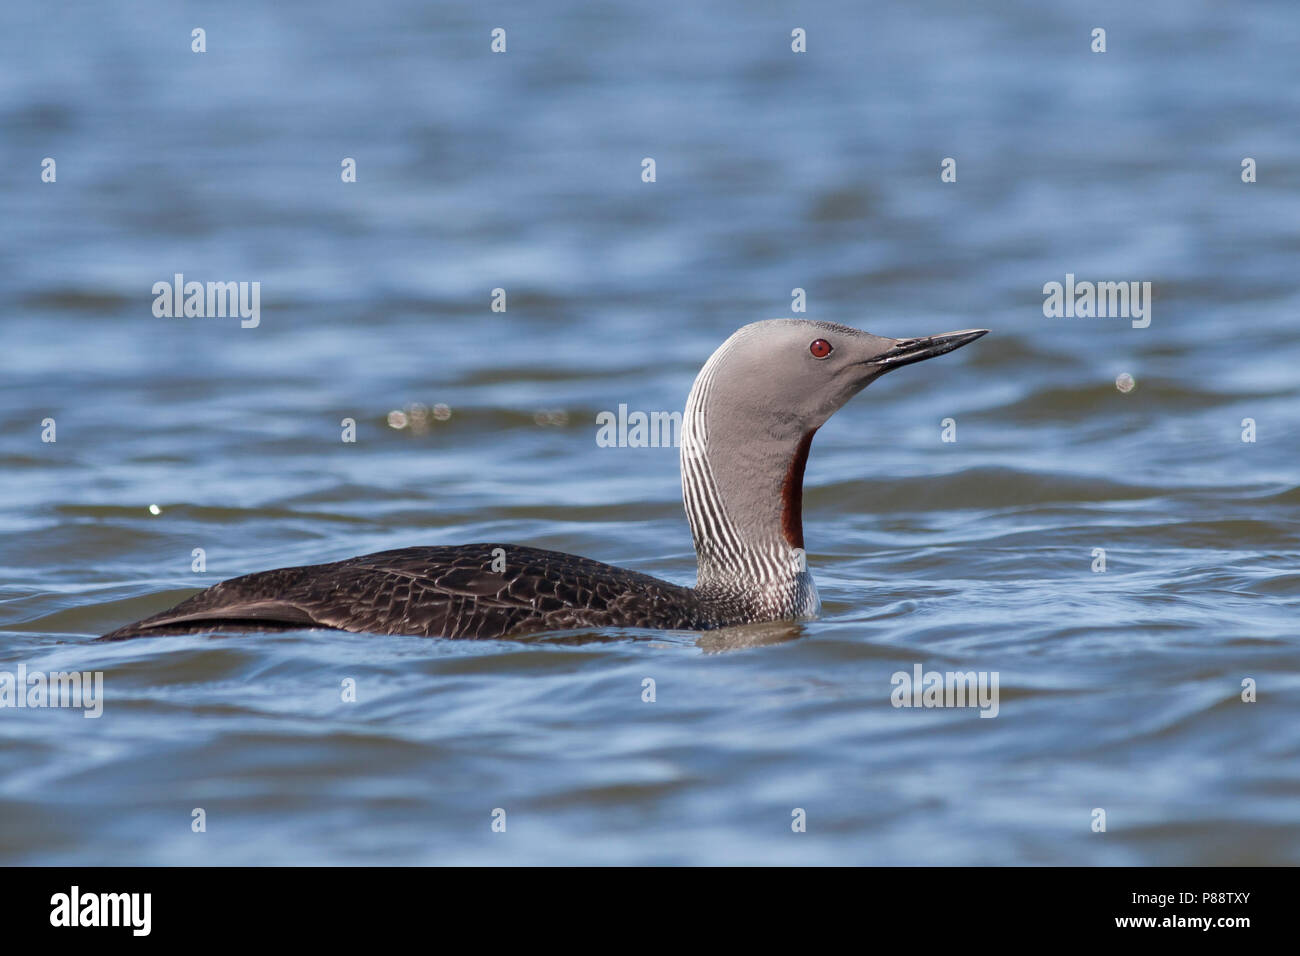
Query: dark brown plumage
point(441, 591)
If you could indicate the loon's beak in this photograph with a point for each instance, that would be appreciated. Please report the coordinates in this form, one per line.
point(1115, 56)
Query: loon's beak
point(906, 351)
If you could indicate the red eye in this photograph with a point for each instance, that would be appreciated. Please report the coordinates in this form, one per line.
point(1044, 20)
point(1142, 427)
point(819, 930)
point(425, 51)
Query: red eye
point(820, 348)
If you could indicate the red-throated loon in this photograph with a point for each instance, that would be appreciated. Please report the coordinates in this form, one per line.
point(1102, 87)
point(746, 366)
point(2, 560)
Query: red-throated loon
point(748, 424)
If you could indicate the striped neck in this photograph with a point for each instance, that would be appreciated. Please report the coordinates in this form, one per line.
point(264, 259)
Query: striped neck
point(743, 494)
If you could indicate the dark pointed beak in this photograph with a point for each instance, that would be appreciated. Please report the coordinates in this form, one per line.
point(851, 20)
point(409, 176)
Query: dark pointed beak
point(906, 351)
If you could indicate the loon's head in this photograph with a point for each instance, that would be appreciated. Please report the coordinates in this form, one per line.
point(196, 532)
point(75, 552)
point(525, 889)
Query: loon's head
point(783, 378)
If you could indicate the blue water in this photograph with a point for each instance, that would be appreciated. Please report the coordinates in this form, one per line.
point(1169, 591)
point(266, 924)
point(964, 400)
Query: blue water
point(1119, 690)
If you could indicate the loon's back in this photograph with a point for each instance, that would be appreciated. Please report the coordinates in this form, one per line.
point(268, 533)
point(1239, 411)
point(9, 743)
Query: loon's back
point(449, 591)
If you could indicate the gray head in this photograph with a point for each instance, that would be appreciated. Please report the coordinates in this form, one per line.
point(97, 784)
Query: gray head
point(784, 378)
point(749, 423)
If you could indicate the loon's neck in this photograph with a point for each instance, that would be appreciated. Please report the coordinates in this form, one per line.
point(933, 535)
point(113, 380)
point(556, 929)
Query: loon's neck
point(744, 501)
